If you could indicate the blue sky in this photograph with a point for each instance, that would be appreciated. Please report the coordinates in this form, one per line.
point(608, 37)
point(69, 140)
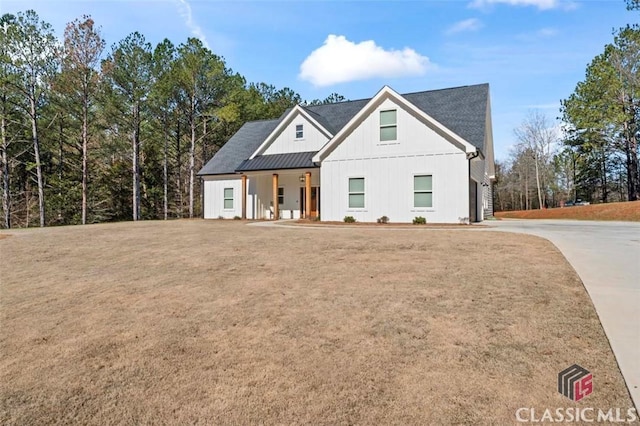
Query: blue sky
point(531, 52)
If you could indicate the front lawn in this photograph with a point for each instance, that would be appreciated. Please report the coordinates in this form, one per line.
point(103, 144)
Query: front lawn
point(216, 322)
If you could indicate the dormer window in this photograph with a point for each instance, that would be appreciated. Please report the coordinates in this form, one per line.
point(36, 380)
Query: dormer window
point(299, 131)
point(388, 126)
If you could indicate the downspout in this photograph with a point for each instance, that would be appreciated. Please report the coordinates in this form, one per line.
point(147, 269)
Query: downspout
point(471, 156)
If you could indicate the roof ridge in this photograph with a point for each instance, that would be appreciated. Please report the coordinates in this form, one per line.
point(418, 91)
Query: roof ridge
point(401, 94)
point(260, 120)
point(446, 88)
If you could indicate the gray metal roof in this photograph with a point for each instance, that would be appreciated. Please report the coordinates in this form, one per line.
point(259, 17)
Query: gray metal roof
point(293, 160)
point(460, 109)
point(239, 147)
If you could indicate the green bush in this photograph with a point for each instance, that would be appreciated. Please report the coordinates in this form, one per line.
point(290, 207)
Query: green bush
point(419, 220)
point(237, 218)
point(383, 219)
point(349, 219)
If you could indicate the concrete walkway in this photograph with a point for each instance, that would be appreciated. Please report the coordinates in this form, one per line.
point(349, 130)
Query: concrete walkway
point(606, 256)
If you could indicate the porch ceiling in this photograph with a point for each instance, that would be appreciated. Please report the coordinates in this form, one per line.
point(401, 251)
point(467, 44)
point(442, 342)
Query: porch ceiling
point(294, 160)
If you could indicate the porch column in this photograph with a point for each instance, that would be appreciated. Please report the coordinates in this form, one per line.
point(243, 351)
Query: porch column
point(244, 197)
point(307, 195)
point(276, 206)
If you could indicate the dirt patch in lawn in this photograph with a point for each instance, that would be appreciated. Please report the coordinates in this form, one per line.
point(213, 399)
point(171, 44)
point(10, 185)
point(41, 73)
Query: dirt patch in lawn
point(629, 211)
point(217, 322)
point(3, 236)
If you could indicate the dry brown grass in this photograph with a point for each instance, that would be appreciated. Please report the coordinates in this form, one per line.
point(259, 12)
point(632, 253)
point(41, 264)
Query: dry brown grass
point(218, 322)
point(628, 211)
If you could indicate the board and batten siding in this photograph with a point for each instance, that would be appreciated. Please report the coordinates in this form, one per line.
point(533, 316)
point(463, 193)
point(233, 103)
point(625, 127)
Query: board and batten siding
point(389, 169)
point(313, 139)
point(214, 187)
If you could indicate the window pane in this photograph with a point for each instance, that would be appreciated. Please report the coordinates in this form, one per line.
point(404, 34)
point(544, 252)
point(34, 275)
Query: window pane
point(388, 133)
point(299, 132)
point(422, 183)
point(356, 201)
point(422, 199)
point(280, 192)
point(228, 203)
point(387, 118)
point(356, 185)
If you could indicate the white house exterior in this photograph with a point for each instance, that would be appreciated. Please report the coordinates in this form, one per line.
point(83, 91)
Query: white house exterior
point(426, 154)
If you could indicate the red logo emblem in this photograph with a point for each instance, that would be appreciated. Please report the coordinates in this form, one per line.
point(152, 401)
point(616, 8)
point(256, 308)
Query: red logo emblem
point(575, 382)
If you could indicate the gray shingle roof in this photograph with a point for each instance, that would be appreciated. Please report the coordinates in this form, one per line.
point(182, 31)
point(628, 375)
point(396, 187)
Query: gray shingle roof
point(460, 109)
point(239, 147)
point(335, 116)
point(293, 160)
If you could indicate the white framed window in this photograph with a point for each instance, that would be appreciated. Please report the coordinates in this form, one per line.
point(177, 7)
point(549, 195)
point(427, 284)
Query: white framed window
point(299, 131)
point(281, 195)
point(228, 198)
point(388, 125)
point(423, 191)
point(356, 193)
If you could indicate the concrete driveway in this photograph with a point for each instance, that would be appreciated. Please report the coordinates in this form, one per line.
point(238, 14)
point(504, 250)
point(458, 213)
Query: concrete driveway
point(606, 256)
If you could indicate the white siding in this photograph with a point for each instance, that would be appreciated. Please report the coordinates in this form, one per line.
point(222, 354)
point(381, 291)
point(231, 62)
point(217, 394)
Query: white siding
point(214, 197)
point(313, 139)
point(478, 169)
point(389, 168)
point(414, 137)
point(389, 188)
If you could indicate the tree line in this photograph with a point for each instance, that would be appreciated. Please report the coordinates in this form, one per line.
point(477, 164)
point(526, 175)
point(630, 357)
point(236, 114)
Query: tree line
point(592, 155)
point(90, 134)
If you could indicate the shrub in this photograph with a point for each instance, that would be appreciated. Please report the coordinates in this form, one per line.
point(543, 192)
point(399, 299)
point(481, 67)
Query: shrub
point(383, 219)
point(349, 219)
point(220, 217)
point(419, 220)
point(316, 218)
point(237, 218)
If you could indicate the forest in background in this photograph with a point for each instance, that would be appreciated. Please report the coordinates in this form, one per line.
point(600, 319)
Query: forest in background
point(591, 152)
point(90, 134)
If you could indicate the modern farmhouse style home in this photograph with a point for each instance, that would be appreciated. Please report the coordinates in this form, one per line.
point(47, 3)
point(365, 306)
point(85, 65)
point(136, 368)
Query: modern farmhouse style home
point(426, 154)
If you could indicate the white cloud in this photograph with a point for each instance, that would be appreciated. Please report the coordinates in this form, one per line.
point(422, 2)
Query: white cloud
point(541, 34)
point(547, 32)
point(339, 60)
point(471, 24)
point(185, 12)
point(540, 4)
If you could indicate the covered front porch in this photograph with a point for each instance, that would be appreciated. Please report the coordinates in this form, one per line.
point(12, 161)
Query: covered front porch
point(281, 194)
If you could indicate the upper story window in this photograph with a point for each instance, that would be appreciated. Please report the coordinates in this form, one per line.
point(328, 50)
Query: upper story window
point(299, 131)
point(388, 125)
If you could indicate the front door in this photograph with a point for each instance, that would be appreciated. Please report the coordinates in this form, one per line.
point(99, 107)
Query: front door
point(315, 201)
